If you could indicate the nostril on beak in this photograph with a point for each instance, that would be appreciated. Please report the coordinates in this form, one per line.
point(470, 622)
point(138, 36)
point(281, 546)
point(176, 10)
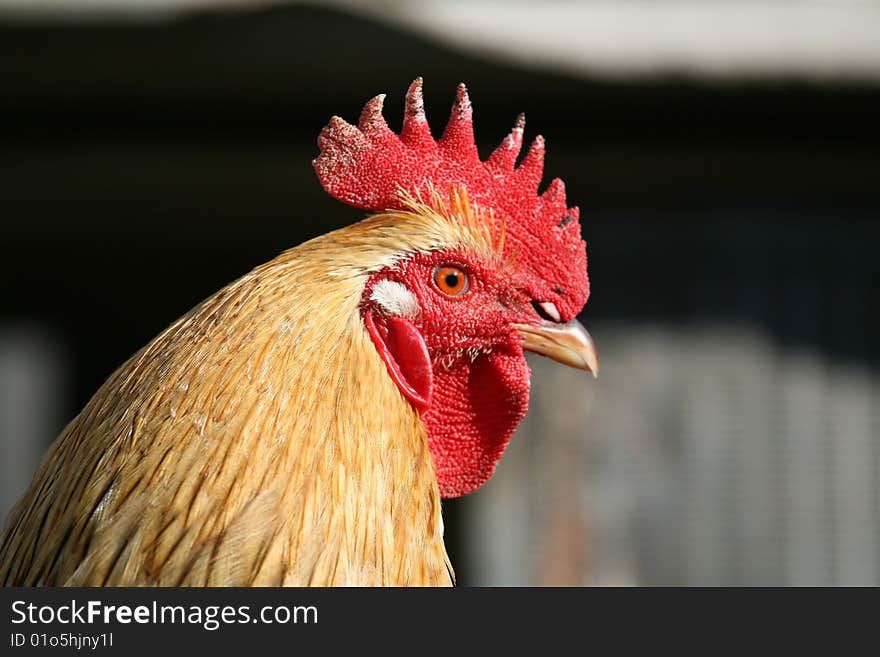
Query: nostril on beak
point(547, 310)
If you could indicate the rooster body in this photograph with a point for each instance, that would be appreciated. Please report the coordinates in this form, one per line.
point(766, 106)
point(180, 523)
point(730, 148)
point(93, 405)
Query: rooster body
point(230, 403)
point(299, 426)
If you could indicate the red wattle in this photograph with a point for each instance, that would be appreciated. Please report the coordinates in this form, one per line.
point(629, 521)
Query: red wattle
point(404, 352)
point(477, 407)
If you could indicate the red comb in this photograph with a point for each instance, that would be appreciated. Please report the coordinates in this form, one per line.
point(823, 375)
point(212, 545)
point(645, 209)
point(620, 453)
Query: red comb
point(367, 166)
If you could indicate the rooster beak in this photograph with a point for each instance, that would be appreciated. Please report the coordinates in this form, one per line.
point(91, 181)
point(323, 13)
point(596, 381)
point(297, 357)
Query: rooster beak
point(569, 344)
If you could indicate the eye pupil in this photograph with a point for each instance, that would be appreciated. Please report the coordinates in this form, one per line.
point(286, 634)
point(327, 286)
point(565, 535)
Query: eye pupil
point(452, 280)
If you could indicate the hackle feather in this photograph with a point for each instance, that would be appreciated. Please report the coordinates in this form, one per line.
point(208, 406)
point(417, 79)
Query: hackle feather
point(258, 440)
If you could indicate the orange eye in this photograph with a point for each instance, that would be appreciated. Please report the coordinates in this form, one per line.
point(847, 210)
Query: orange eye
point(451, 280)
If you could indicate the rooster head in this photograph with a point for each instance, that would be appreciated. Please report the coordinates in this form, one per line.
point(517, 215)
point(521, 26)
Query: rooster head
point(451, 322)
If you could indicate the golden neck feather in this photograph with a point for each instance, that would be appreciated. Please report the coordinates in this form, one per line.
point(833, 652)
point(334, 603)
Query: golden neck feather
point(257, 440)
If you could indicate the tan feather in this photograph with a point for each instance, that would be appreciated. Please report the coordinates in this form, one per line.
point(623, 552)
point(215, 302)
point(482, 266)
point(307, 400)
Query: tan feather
point(258, 440)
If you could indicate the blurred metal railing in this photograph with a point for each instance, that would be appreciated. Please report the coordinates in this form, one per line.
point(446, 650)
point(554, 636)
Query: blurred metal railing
point(707, 456)
point(34, 396)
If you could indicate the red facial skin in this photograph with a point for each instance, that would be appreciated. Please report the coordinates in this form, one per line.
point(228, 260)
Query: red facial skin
point(470, 401)
point(479, 388)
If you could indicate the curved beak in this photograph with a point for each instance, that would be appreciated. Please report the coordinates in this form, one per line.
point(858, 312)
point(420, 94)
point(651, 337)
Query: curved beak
point(569, 344)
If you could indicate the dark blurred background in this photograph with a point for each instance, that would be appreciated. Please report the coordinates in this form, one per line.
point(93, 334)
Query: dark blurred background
point(729, 192)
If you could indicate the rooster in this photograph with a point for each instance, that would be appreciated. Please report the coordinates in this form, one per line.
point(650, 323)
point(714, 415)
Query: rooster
point(301, 426)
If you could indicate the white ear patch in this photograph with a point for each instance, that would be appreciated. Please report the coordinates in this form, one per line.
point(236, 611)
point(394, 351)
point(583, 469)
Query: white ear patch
point(395, 299)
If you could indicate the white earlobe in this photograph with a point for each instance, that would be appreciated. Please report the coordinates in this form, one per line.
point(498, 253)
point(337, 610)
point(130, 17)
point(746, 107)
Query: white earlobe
point(395, 299)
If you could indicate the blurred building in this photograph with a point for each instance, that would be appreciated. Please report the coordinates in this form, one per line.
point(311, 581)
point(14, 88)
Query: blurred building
point(724, 156)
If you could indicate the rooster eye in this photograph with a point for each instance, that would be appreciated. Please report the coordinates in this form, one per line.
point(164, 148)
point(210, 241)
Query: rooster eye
point(451, 280)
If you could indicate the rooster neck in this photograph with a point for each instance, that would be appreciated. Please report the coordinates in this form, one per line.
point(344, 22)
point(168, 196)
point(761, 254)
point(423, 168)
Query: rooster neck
point(360, 493)
point(256, 441)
